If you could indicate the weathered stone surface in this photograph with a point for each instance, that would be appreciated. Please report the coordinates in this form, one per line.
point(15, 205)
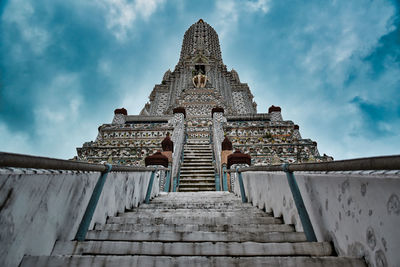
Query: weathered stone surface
point(353, 209)
point(192, 249)
point(183, 261)
point(237, 233)
point(42, 206)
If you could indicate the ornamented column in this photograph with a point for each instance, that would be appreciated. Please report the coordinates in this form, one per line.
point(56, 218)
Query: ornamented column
point(226, 151)
point(178, 138)
point(168, 147)
point(296, 132)
point(119, 116)
point(275, 113)
point(237, 160)
point(217, 114)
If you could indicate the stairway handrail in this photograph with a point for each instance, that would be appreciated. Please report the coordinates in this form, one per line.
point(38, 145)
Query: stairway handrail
point(182, 157)
point(37, 162)
point(357, 164)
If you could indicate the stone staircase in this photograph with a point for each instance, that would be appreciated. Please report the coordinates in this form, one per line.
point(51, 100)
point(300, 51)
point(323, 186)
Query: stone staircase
point(197, 170)
point(193, 229)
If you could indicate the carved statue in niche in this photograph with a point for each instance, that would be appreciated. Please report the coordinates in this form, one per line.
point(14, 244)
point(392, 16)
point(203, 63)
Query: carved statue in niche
point(199, 78)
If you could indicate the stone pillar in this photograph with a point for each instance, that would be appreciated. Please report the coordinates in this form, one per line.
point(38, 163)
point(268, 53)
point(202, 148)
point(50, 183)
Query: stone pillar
point(157, 159)
point(119, 116)
point(226, 151)
point(178, 138)
point(237, 160)
point(99, 135)
point(167, 147)
point(296, 132)
point(217, 114)
point(275, 113)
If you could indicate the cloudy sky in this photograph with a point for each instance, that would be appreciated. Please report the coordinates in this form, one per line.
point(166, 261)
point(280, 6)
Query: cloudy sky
point(332, 66)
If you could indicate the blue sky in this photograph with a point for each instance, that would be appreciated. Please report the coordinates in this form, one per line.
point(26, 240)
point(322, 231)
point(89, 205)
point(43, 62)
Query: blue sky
point(332, 66)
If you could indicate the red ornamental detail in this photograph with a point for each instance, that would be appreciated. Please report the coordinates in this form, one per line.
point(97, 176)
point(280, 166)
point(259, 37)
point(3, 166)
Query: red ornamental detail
point(167, 144)
point(216, 109)
point(121, 111)
point(226, 144)
point(238, 158)
point(156, 159)
point(274, 109)
point(179, 110)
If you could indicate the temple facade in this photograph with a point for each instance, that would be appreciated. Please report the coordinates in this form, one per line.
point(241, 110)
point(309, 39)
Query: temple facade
point(201, 102)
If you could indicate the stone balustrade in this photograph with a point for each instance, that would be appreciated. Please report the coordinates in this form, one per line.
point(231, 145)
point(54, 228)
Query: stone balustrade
point(39, 207)
point(359, 211)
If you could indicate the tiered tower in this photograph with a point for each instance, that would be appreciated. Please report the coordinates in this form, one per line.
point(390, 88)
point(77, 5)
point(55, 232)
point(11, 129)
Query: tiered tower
point(200, 59)
point(200, 102)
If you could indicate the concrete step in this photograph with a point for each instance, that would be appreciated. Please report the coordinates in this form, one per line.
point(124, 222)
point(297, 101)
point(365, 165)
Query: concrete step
point(191, 159)
point(198, 163)
point(198, 205)
point(197, 160)
point(192, 249)
point(197, 177)
point(249, 228)
point(206, 212)
point(197, 201)
point(198, 170)
point(186, 175)
point(198, 185)
point(197, 145)
point(183, 261)
point(197, 167)
point(194, 220)
point(201, 183)
point(275, 237)
point(197, 196)
point(188, 182)
point(196, 189)
point(197, 150)
point(221, 206)
point(198, 153)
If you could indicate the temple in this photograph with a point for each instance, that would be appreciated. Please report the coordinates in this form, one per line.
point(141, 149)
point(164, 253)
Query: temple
point(200, 103)
point(200, 131)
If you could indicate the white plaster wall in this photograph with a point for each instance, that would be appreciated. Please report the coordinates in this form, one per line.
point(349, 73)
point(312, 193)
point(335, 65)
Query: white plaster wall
point(38, 207)
point(358, 211)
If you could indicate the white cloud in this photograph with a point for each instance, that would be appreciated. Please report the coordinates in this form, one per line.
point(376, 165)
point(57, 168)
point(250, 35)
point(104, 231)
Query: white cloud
point(21, 14)
point(147, 7)
point(121, 14)
point(14, 142)
point(259, 5)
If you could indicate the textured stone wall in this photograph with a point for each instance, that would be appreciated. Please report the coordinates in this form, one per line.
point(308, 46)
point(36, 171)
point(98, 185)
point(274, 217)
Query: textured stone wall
point(39, 207)
point(126, 144)
point(271, 142)
point(358, 211)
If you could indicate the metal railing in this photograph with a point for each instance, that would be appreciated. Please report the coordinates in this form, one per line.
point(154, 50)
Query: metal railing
point(360, 164)
point(29, 161)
